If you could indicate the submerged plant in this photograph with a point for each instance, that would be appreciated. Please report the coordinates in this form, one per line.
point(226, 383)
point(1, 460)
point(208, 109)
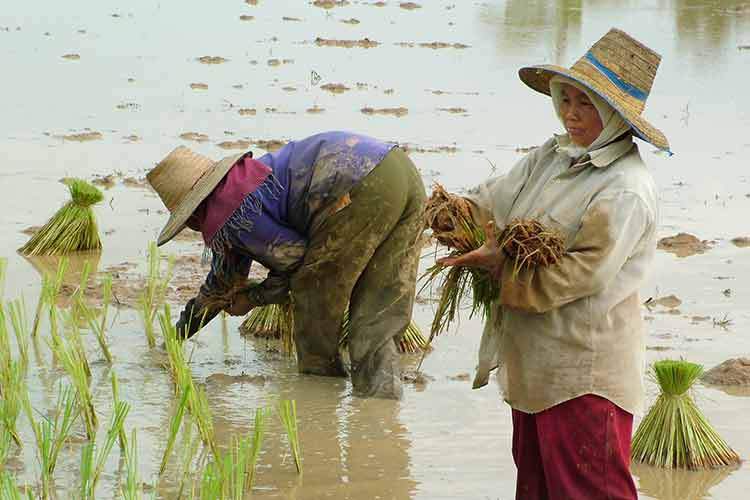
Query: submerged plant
point(73, 227)
point(674, 433)
point(288, 414)
point(156, 288)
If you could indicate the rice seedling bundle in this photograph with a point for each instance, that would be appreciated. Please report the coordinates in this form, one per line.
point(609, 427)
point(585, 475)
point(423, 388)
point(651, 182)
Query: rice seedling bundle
point(674, 433)
point(154, 292)
point(287, 411)
point(73, 227)
point(530, 244)
point(452, 224)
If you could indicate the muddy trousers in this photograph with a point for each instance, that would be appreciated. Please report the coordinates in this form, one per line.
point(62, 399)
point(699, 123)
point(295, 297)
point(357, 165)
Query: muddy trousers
point(579, 449)
point(364, 256)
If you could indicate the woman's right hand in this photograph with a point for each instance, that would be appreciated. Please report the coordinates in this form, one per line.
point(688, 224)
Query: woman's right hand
point(489, 256)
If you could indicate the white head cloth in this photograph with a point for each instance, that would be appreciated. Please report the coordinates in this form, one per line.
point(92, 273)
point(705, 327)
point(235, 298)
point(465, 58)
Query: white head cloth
point(614, 125)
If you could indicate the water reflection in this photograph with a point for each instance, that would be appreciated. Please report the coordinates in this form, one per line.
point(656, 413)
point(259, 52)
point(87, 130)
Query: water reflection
point(667, 484)
point(708, 25)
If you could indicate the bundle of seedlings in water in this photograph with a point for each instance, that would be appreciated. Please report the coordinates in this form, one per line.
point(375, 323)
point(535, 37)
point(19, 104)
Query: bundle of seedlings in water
point(92, 460)
point(452, 225)
point(73, 228)
point(288, 414)
point(530, 244)
point(674, 433)
point(154, 292)
point(51, 434)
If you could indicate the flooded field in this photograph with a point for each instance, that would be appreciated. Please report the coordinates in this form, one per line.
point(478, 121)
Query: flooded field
point(103, 90)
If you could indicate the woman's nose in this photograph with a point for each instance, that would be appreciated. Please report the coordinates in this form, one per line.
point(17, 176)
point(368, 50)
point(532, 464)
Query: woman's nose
point(571, 112)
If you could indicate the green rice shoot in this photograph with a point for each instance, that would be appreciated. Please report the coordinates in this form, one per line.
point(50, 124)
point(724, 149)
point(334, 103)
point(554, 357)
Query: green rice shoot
point(6, 440)
point(674, 433)
point(132, 489)
point(122, 438)
point(175, 424)
point(13, 393)
point(48, 293)
point(10, 491)
point(259, 431)
point(154, 292)
point(287, 410)
point(117, 420)
point(73, 227)
point(20, 322)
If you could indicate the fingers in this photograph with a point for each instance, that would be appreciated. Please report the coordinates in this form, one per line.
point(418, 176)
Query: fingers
point(490, 232)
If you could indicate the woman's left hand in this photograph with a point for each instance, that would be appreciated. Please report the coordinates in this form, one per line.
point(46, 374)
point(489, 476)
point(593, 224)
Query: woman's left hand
point(240, 304)
point(489, 256)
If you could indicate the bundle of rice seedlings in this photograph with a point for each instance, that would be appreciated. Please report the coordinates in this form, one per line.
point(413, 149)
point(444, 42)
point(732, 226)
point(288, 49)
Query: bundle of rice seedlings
point(530, 244)
point(156, 288)
point(674, 433)
point(73, 227)
point(287, 411)
point(132, 488)
point(51, 435)
point(411, 341)
point(201, 412)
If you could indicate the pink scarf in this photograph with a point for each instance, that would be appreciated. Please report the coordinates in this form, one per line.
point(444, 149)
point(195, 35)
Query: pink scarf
point(243, 178)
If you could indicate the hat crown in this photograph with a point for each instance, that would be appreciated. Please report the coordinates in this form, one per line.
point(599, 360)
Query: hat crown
point(174, 176)
point(629, 65)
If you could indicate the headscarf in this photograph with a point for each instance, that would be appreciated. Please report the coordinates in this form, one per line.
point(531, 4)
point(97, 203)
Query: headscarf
point(614, 125)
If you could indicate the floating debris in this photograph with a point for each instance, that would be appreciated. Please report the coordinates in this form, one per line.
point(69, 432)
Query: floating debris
point(669, 301)
point(238, 144)
point(199, 86)
point(292, 19)
point(455, 111)
point(212, 60)
point(315, 110)
point(410, 6)
point(194, 136)
point(683, 245)
point(289, 89)
point(245, 17)
point(238, 86)
point(273, 62)
point(247, 112)
point(132, 138)
point(350, 21)
point(83, 136)
point(335, 88)
point(443, 45)
point(365, 43)
point(399, 112)
point(71, 57)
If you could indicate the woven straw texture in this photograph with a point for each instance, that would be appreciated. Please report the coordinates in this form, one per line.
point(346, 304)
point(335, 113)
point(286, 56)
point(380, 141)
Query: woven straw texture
point(631, 61)
point(183, 179)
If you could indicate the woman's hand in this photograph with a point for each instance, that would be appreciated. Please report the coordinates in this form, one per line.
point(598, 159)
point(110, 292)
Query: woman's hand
point(489, 256)
point(240, 304)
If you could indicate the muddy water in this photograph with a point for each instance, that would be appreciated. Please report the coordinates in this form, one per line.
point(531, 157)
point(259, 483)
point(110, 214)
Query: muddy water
point(443, 440)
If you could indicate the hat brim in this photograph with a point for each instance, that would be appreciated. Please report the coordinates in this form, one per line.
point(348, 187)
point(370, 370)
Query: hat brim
point(195, 196)
point(538, 77)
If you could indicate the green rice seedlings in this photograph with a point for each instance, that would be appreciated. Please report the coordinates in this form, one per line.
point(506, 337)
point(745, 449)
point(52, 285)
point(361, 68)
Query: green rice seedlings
point(72, 357)
point(201, 412)
point(178, 366)
point(92, 460)
point(153, 294)
point(132, 489)
point(17, 311)
point(6, 440)
point(174, 427)
point(87, 472)
point(96, 325)
point(116, 399)
point(674, 433)
point(259, 431)
point(13, 391)
point(288, 414)
point(73, 227)
point(190, 448)
point(51, 435)
point(10, 491)
point(5, 351)
point(212, 481)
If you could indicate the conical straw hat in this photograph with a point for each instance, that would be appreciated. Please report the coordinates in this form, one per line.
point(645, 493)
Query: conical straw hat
point(618, 68)
point(183, 179)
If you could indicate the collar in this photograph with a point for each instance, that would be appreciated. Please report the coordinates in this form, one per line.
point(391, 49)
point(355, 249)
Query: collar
point(602, 157)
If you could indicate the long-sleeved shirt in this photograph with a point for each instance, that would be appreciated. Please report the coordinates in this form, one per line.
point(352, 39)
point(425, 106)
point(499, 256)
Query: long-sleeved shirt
point(575, 327)
point(272, 226)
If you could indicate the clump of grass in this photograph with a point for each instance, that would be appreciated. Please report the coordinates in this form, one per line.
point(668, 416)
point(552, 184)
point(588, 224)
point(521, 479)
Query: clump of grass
point(674, 433)
point(51, 435)
point(156, 288)
point(530, 244)
point(287, 410)
point(73, 227)
point(93, 461)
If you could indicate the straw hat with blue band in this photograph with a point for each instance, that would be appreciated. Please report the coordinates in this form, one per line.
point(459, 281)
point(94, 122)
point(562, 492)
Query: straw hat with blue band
point(618, 68)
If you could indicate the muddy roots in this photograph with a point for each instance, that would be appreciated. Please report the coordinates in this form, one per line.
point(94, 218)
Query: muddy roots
point(530, 244)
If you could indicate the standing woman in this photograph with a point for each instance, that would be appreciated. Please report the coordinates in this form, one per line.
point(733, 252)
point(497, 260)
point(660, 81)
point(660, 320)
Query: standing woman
point(335, 217)
point(569, 338)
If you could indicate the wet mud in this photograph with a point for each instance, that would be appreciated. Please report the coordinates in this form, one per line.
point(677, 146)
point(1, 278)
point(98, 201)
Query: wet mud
point(683, 245)
point(398, 112)
point(335, 88)
point(199, 86)
point(247, 112)
point(194, 136)
point(330, 4)
point(409, 6)
point(83, 136)
point(212, 60)
point(238, 144)
point(731, 372)
point(364, 43)
point(71, 57)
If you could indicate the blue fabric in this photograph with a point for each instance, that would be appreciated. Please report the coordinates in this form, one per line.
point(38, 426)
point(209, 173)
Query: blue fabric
point(621, 84)
point(272, 225)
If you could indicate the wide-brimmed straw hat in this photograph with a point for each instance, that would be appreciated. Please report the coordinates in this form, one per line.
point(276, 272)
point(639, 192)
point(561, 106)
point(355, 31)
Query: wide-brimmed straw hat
point(183, 179)
point(618, 68)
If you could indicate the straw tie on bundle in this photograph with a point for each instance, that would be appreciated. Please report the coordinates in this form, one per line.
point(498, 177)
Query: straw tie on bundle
point(674, 433)
point(73, 227)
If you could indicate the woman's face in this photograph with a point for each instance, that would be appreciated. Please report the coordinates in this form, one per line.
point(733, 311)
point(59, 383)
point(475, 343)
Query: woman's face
point(580, 116)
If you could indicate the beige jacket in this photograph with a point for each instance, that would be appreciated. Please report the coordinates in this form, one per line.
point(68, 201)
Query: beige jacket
point(573, 328)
